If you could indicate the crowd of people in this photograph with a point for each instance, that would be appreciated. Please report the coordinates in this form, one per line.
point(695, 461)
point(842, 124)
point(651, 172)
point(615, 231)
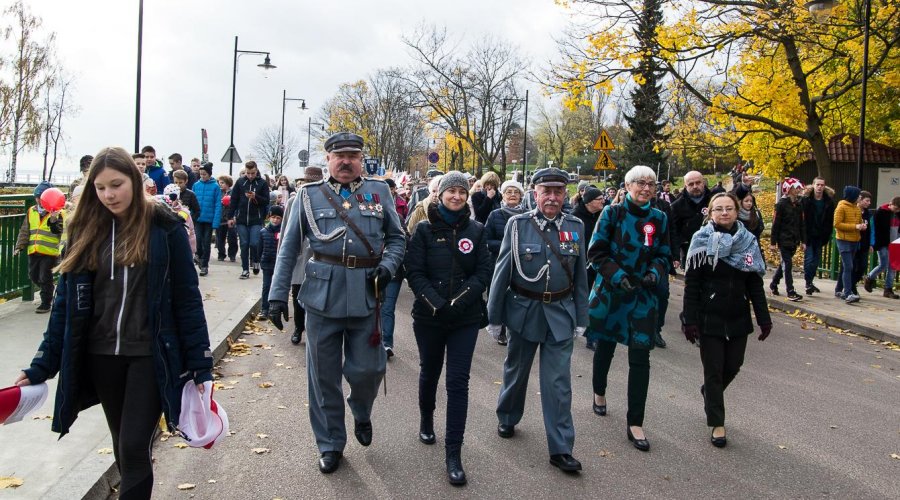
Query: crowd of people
point(533, 266)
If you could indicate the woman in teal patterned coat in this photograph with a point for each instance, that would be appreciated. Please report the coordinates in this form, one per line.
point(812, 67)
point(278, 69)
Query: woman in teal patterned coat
point(630, 252)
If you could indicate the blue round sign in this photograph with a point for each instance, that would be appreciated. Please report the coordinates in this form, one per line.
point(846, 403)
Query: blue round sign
point(433, 157)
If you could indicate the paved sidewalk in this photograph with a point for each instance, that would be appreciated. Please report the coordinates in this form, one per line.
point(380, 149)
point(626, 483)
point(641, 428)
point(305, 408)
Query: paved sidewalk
point(69, 468)
point(874, 316)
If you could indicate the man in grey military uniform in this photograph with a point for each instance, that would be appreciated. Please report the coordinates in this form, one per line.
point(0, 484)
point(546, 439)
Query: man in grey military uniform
point(540, 292)
point(356, 244)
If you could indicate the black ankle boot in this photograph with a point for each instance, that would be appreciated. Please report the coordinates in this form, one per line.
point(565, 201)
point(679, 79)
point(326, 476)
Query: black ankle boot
point(455, 473)
point(426, 428)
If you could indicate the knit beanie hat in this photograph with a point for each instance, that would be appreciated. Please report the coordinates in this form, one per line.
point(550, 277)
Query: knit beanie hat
point(512, 184)
point(851, 193)
point(582, 185)
point(276, 210)
point(454, 178)
point(788, 183)
point(590, 194)
point(207, 166)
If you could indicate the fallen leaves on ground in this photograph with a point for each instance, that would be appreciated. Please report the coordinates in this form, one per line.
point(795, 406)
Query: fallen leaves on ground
point(238, 349)
point(606, 454)
point(262, 436)
point(105, 451)
point(782, 447)
point(180, 446)
point(260, 451)
point(266, 385)
point(893, 455)
point(186, 486)
point(256, 375)
point(10, 482)
point(212, 481)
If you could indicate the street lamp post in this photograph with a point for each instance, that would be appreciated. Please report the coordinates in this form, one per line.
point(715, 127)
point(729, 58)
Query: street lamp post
point(309, 125)
point(524, 129)
point(231, 155)
point(821, 10)
point(284, 100)
point(137, 98)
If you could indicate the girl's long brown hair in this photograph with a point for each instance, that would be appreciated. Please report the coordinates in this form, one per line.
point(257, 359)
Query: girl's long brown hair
point(91, 223)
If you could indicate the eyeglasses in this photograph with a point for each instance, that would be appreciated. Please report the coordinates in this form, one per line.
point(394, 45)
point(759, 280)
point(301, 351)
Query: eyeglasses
point(720, 210)
point(645, 184)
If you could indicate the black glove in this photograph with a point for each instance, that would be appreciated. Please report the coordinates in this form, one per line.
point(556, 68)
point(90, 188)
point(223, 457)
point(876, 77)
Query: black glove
point(765, 330)
point(649, 281)
point(691, 333)
point(277, 310)
point(383, 275)
point(626, 284)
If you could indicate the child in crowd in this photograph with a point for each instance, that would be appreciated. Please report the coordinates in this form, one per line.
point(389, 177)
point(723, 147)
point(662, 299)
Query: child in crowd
point(141, 161)
point(40, 233)
point(171, 195)
point(187, 198)
point(225, 234)
point(267, 249)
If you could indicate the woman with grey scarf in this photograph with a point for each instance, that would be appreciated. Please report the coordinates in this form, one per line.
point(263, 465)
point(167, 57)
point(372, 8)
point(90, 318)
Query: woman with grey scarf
point(724, 276)
point(512, 194)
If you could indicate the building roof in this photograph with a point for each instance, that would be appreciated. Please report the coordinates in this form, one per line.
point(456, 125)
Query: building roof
point(844, 147)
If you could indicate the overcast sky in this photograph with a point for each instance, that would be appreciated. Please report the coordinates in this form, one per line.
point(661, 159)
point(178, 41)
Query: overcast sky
point(187, 61)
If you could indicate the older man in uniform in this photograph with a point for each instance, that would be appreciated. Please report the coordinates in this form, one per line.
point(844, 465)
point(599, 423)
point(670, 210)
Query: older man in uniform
point(539, 291)
point(356, 245)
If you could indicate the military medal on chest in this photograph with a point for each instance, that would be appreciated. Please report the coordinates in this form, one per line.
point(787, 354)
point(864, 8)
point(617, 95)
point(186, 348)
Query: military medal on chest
point(568, 240)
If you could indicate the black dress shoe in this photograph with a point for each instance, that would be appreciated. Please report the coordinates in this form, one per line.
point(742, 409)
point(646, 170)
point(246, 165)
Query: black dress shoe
point(296, 337)
point(455, 473)
point(718, 442)
point(599, 409)
point(506, 431)
point(363, 432)
point(659, 341)
point(565, 462)
point(329, 461)
point(641, 444)
point(426, 429)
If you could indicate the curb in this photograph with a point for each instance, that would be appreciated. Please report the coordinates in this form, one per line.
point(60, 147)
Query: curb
point(105, 486)
point(835, 321)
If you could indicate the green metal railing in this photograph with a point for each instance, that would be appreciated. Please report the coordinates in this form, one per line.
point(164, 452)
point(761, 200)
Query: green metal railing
point(13, 268)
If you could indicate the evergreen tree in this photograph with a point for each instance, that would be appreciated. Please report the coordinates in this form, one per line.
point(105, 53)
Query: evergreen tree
point(646, 123)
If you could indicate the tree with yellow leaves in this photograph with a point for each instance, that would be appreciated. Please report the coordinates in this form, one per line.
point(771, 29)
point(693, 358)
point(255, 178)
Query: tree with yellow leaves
point(774, 81)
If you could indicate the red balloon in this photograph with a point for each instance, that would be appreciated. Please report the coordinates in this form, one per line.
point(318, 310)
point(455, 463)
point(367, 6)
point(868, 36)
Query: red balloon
point(226, 200)
point(53, 199)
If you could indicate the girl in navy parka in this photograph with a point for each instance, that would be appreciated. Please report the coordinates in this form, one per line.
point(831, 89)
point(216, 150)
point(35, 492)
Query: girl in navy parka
point(115, 336)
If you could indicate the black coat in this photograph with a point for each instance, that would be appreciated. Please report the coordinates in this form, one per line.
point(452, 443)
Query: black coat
point(448, 287)
point(241, 209)
point(686, 219)
point(587, 218)
point(882, 226)
point(818, 231)
point(788, 227)
point(718, 300)
point(483, 206)
point(494, 227)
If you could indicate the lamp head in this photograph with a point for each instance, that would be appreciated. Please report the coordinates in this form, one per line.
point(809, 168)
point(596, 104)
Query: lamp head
point(267, 63)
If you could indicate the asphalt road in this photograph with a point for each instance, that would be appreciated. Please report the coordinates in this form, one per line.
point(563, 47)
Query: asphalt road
point(812, 414)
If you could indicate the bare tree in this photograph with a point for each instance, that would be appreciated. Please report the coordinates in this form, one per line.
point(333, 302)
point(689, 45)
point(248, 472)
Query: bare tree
point(381, 110)
point(20, 118)
point(467, 95)
point(267, 148)
point(56, 105)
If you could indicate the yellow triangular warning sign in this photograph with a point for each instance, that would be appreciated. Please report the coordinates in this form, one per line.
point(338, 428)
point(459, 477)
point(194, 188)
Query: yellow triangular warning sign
point(604, 162)
point(603, 142)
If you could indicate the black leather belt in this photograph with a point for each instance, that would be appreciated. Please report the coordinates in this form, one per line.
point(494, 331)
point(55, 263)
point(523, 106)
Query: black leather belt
point(349, 261)
point(545, 297)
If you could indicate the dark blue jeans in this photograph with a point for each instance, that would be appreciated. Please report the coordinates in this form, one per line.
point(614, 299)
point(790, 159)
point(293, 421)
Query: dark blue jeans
point(847, 250)
point(391, 292)
point(249, 236)
point(785, 269)
point(812, 258)
point(266, 284)
point(459, 345)
point(225, 234)
point(204, 241)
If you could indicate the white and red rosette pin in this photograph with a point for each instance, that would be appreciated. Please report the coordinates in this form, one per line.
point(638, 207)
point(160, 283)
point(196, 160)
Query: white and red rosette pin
point(649, 230)
point(466, 245)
